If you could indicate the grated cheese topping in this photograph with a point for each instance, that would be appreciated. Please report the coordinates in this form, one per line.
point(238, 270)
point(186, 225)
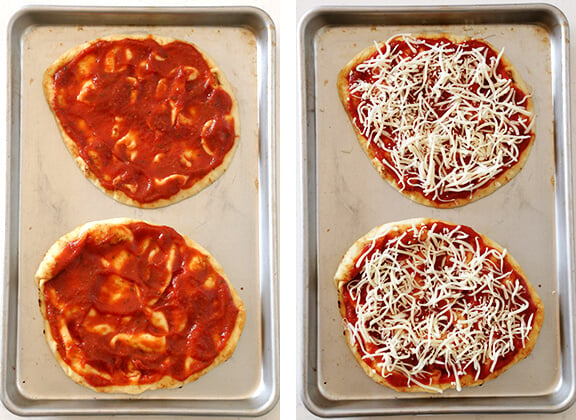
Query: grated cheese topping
point(435, 298)
point(445, 117)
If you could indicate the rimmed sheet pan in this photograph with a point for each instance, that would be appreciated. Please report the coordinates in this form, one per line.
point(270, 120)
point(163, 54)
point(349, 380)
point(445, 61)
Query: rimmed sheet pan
point(234, 218)
point(344, 197)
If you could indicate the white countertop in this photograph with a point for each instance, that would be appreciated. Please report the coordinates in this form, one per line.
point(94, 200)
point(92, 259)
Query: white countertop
point(286, 15)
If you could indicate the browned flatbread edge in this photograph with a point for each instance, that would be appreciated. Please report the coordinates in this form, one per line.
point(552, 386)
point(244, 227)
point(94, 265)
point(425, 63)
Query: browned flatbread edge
point(45, 273)
point(120, 196)
point(342, 277)
point(385, 173)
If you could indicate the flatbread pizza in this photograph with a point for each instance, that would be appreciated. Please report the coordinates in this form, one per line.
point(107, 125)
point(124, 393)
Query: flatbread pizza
point(149, 120)
point(429, 305)
point(445, 119)
point(130, 306)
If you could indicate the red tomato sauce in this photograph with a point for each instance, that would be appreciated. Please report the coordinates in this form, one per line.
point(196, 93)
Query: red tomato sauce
point(439, 371)
point(408, 182)
point(81, 295)
point(164, 95)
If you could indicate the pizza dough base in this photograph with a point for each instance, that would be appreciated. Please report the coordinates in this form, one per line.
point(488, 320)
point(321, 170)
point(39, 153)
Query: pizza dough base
point(343, 276)
point(47, 270)
point(385, 172)
point(120, 196)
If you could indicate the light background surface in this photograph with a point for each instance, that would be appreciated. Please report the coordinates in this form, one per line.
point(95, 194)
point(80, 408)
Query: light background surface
point(352, 199)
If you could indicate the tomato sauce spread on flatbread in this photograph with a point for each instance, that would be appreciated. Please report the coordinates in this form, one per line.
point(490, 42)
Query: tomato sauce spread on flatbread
point(430, 305)
point(445, 120)
point(148, 119)
point(137, 305)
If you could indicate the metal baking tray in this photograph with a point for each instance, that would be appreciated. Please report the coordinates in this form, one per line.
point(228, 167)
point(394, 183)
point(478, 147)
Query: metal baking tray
point(235, 218)
point(344, 197)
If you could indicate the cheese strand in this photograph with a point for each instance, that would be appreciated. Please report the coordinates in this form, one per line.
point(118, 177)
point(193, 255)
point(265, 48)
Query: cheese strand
point(437, 297)
point(445, 118)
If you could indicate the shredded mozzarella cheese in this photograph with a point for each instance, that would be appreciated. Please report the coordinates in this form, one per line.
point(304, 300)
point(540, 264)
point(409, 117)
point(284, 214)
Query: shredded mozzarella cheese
point(436, 298)
point(447, 121)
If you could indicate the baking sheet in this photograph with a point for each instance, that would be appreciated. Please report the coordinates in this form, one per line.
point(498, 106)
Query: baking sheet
point(234, 218)
point(344, 197)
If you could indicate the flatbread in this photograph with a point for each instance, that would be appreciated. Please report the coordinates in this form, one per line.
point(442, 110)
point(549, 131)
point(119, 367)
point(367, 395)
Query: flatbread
point(130, 306)
point(420, 114)
point(149, 120)
point(430, 305)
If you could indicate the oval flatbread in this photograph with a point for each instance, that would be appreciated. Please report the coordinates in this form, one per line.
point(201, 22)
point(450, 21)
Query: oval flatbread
point(130, 306)
point(445, 119)
point(149, 120)
point(430, 305)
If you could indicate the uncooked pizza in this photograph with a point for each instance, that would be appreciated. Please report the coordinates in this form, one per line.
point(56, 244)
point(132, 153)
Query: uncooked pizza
point(430, 305)
point(445, 119)
point(149, 120)
point(130, 306)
